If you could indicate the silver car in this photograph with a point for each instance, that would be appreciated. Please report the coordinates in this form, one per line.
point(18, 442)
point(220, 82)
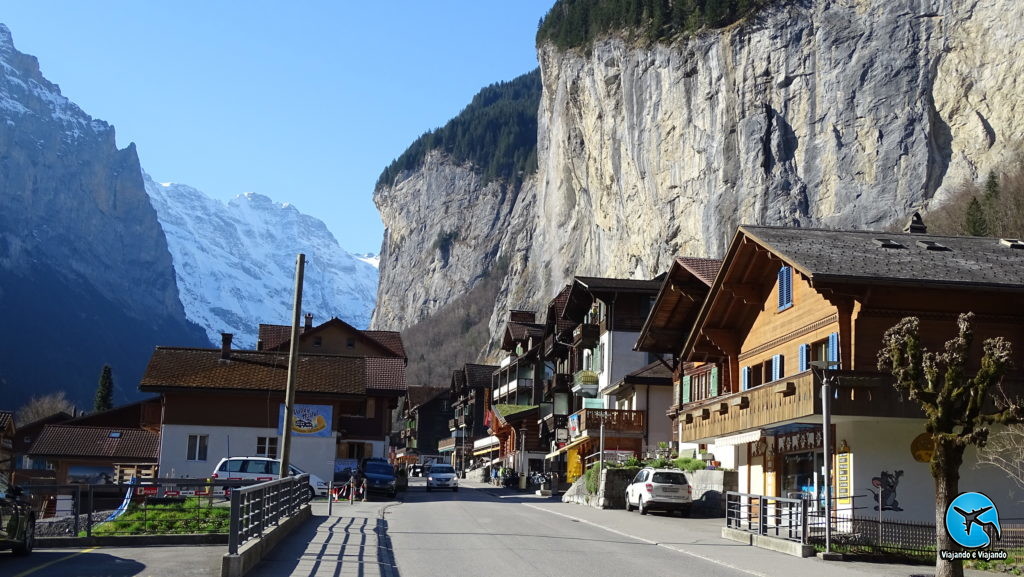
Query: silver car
point(661, 490)
point(442, 477)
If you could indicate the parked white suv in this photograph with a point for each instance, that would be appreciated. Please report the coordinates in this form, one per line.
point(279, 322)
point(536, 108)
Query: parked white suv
point(659, 489)
point(263, 469)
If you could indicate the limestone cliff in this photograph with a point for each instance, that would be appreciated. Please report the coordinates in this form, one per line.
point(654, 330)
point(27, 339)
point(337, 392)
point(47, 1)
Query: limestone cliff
point(85, 274)
point(825, 113)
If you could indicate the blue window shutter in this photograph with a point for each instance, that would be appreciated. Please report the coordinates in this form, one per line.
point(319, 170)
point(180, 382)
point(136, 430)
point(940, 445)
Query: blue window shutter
point(805, 358)
point(777, 369)
point(833, 348)
point(745, 378)
point(714, 382)
point(785, 287)
point(686, 389)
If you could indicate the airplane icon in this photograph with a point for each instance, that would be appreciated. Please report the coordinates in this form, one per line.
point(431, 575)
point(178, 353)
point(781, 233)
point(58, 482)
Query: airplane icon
point(972, 519)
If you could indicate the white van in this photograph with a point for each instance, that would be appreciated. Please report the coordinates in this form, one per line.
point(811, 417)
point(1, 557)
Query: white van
point(263, 469)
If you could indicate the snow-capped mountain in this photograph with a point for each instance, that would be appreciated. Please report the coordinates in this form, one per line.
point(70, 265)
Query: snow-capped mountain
point(235, 263)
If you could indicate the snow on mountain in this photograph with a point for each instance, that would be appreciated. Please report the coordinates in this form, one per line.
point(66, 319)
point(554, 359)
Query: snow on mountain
point(370, 258)
point(235, 263)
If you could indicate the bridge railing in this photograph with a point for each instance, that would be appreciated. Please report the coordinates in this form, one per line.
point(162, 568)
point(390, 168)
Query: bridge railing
point(258, 508)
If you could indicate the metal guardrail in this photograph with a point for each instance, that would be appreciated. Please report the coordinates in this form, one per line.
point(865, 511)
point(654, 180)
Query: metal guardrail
point(256, 508)
point(780, 517)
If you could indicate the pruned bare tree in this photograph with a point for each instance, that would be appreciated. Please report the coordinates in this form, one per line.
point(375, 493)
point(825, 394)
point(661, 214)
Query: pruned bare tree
point(44, 406)
point(1005, 451)
point(959, 408)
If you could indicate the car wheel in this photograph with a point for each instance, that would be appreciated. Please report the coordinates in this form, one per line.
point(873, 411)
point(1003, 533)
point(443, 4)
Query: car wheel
point(454, 489)
point(685, 511)
point(25, 547)
point(310, 493)
point(629, 506)
point(392, 494)
point(640, 505)
point(428, 488)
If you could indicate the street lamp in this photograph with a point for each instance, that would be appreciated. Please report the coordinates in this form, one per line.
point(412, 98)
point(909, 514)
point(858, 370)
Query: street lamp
point(826, 377)
point(463, 427)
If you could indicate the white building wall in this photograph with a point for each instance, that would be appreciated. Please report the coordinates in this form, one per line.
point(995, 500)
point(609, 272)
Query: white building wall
point(619, 360)
point(312, 454)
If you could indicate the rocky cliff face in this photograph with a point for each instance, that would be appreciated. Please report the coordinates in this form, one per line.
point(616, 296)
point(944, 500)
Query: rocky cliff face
point(86, 274)
point(812, 113)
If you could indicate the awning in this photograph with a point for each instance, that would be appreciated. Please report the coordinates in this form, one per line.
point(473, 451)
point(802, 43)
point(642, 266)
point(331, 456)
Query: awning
point(566, 448)
point(739, 438)
point(484, 443)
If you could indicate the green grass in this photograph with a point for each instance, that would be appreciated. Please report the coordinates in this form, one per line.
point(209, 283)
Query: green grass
point(193, 516)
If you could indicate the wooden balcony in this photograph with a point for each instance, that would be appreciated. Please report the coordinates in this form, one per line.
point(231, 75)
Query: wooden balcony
point(560, 383)
point(453, 424)
point(585, 383)
point(553, 348)
point(586, 335)
point(616, 423)
point(793, 399)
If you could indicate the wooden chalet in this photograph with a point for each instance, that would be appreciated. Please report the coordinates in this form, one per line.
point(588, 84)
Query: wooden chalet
point(425, 419)
point(786, 297)
point(469, 395)
point(223, 402)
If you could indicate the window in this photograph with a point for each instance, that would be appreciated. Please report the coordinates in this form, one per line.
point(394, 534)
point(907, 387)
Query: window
point(197, 447)
point(318, 342)
point(826, 349)
point(770, 370)
point(350, 343)
point(266, 447)
point(785, 287)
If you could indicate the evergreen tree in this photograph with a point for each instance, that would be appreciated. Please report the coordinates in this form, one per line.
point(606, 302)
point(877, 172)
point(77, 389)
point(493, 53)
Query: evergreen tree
point(104, 391)
point(975, 223)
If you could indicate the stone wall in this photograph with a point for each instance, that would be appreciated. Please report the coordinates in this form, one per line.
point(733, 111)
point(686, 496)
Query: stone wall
point(709, 488)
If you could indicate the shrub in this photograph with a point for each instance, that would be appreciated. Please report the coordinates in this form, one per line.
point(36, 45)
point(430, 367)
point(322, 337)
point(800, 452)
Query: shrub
point(592, 478)
point(690, 464)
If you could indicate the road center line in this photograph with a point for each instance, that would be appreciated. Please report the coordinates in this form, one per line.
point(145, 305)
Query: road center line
point(669, 547)
point(54, 562)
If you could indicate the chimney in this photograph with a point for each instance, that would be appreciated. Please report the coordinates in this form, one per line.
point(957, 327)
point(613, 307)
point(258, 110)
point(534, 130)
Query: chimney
point(916, 225)
point(309, 321)
point(225, 345)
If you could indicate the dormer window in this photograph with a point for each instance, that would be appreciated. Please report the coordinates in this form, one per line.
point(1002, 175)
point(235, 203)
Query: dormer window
point(887, 243)
point(932, 245)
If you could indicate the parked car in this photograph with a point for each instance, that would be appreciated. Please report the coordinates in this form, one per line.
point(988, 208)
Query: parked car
point(416, 471)
point(264, 469)
point(380, 477)
point(661, 490)
point(442, 477)
point(17, 521)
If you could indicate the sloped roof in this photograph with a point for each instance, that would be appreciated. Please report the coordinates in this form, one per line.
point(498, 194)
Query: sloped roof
point(419, 396)
point(678, 302)
point(509, 412)
point(204, 369)
point(516, 332)
point(392, 340)
point(585, 289)
point(272, 336)
point(652, 374)
point(105, 442)
point(478, 376)
point(832, 255)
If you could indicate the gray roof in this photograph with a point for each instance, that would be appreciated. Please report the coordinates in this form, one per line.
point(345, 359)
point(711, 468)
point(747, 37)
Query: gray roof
point(829, 255)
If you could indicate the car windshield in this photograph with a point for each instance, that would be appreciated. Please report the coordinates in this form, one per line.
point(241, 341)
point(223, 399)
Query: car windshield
point(379, 469)
point(442, 469)
point(669, 478)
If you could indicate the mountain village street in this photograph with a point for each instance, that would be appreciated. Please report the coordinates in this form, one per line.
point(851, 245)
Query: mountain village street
point(478, 531)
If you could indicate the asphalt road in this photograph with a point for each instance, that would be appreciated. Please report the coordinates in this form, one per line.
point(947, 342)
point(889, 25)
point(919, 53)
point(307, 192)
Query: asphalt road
point(477, 532)
point(177, 561)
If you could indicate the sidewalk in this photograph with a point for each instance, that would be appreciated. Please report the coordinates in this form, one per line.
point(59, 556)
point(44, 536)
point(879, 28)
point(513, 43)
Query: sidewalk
point(701, 538)
point(352, 541)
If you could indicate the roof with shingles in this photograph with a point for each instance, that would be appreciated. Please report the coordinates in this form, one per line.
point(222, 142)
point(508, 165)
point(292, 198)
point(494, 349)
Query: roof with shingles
point(478, 376)
point(833, 255)
point(705, 269)
point(419, 396)
point(204, 369)
point(392, 340)
point(271, 336)
point(105, 442)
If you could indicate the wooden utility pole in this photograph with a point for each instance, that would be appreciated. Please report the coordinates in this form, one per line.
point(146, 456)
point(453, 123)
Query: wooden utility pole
point(293, 365)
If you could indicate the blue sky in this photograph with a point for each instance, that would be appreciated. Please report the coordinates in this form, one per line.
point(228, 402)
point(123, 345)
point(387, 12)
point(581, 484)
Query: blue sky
point(305, 102)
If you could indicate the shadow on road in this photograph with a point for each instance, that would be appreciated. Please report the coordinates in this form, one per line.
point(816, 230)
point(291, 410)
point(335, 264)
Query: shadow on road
point(64, 563)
